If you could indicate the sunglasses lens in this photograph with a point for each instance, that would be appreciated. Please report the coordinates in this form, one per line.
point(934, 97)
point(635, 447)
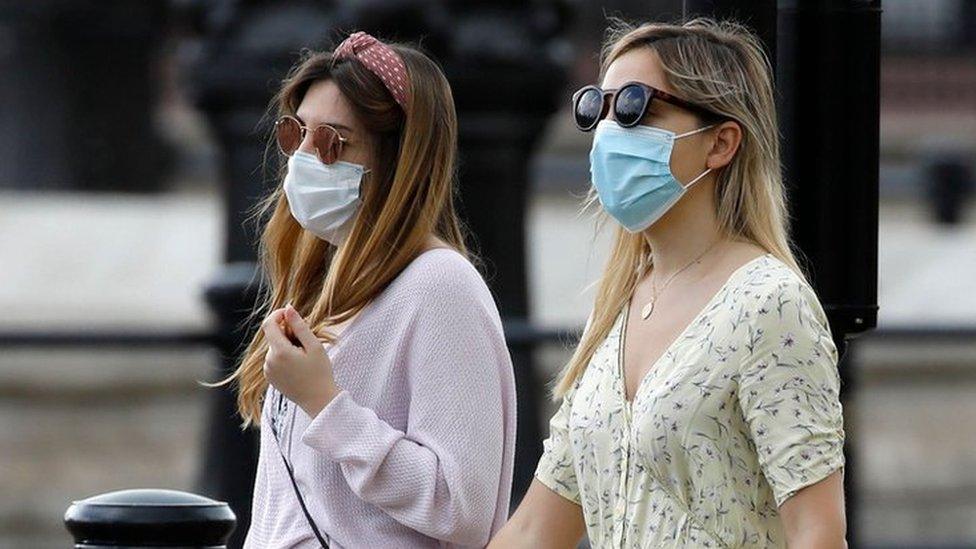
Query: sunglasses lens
point(288, 133)
point(327, 143)
point(589, 108)
point(628, 108)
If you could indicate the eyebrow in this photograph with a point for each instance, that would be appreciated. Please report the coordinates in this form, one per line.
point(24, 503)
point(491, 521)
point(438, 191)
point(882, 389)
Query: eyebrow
point(335, 125)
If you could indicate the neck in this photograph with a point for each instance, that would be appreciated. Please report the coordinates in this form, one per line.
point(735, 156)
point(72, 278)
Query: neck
point(685, 232)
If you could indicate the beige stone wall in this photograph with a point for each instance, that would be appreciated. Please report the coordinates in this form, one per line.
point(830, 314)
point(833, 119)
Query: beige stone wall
point(79, 422)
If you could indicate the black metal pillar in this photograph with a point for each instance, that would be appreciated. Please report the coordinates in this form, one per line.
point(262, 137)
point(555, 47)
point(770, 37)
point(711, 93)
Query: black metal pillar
point(496, 148)
point(506, 92)
point(827, 55)
point(829, 116)
point(501, 58)
point(230, 455)
point(829, 111)
point(245, 50)
point(79, 86)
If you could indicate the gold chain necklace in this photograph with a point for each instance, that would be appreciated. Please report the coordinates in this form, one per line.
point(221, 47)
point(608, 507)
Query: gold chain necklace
point(648, 308)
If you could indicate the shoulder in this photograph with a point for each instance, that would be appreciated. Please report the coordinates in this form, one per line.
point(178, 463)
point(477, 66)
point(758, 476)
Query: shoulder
point(768, 281)
point(444, 296)
point(774, 298)
point(440, 260)
point(442, 276)
point(778, 316)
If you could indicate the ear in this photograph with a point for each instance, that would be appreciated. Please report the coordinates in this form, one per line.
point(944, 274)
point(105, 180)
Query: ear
point(728, 136)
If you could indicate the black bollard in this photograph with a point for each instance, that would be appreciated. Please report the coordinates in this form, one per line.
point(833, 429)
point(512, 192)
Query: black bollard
point(230, 455)
point(149, 518)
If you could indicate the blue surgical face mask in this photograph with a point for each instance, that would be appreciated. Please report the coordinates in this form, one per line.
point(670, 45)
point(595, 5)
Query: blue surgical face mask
point(323, 198)
point(631, 170)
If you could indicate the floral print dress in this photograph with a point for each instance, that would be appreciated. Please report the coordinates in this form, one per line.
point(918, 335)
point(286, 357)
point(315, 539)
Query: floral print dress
point(738, 414)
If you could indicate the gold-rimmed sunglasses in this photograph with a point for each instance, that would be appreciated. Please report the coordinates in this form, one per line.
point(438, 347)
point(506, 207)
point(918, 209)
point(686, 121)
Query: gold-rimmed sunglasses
point(326, 139)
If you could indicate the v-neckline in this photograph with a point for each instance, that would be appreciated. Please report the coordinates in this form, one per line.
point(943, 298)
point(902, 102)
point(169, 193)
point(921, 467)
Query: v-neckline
point(622, 341)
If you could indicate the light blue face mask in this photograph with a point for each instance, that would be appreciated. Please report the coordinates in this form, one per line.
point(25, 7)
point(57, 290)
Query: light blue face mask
point(631, 170)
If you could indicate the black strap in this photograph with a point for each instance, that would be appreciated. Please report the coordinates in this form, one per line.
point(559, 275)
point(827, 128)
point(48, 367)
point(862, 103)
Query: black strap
point(301, 500)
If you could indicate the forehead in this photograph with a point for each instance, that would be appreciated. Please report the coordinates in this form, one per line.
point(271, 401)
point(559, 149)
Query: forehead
point(324, 104)
point(640, 64)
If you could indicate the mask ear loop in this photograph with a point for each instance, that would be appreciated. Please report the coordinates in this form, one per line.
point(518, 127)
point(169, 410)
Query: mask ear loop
point(704, 173)
point(693, 132)
point(695, 180)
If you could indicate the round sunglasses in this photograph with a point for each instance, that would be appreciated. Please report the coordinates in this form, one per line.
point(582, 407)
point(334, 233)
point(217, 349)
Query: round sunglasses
point(326, 140)
point(628, 102)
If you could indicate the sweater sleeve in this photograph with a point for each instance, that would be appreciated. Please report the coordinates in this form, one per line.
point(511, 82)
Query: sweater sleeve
point(441, 477)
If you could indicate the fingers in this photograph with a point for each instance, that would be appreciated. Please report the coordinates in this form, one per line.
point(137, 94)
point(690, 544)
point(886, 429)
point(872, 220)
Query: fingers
point(272, 329)
point(300, 328)
point(283, 324)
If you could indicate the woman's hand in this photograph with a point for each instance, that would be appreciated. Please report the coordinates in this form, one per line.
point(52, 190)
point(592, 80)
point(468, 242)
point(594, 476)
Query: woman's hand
point(302, 372)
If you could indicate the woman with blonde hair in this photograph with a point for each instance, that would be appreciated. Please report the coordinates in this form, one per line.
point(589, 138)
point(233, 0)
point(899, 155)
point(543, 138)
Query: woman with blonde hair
point(701, 407)
point(380, 377)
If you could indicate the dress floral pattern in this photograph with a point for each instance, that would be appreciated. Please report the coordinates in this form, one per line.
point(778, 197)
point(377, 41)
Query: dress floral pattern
point(738, 414)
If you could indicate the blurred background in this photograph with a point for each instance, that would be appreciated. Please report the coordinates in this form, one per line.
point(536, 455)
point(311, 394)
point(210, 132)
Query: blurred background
point(131, 141)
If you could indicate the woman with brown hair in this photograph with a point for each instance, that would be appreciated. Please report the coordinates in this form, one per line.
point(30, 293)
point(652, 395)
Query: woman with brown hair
point(701, 406)
point(380, 377)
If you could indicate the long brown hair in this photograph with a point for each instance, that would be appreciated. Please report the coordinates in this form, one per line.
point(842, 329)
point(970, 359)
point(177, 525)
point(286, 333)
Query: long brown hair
point(722, 66)
point(407, 196)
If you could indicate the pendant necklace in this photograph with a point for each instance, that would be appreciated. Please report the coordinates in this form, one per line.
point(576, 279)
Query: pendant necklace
point(648, 308)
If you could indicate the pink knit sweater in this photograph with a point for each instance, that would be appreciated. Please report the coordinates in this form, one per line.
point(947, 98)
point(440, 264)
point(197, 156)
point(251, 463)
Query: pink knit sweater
point(418, 448)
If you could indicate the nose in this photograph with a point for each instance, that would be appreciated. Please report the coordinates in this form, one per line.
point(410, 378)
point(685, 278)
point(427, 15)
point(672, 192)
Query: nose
point(306, 146)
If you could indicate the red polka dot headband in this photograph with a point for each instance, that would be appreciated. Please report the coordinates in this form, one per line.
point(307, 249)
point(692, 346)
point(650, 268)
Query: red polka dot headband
point(380, 59)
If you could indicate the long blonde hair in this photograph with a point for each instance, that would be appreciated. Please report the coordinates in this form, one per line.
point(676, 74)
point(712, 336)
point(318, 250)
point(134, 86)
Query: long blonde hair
point(407, 196)
point(722, 66)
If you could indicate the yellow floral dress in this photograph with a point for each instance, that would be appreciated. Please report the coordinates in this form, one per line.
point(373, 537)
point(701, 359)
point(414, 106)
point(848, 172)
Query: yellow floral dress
point(738, 414)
